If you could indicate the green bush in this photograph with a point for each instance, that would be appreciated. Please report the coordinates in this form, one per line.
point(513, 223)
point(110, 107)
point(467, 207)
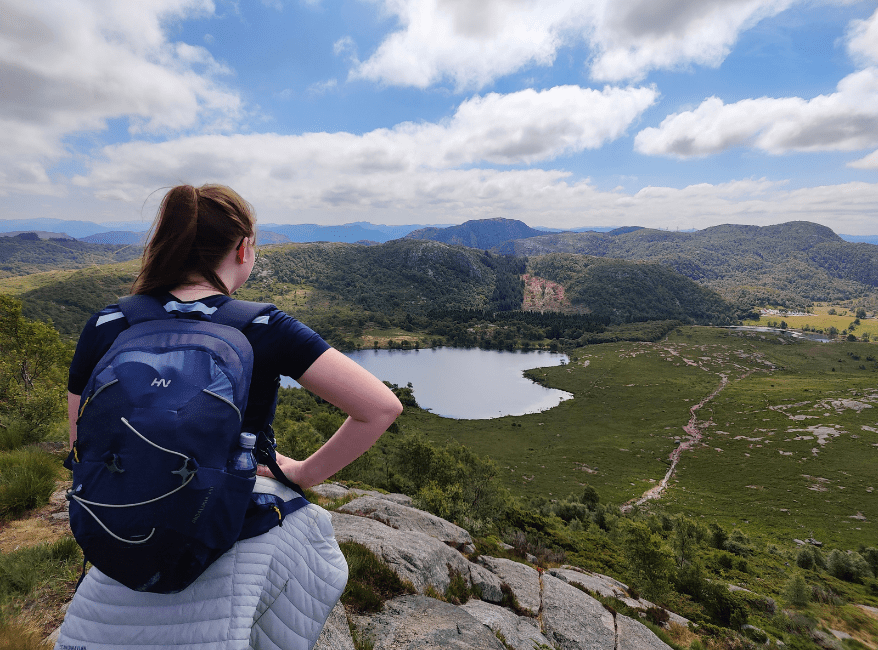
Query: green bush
point(27, 480)
point(849, 566)
point(809, 557)
point(13, 436)
point(22, 571)
point(370, 581)
point(796, 591)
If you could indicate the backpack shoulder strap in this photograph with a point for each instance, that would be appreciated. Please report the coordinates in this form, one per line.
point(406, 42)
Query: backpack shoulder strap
point(239, 313)
point(139, 308)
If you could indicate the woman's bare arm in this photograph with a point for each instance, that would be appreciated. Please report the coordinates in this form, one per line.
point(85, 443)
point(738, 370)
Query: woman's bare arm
point(371, 407)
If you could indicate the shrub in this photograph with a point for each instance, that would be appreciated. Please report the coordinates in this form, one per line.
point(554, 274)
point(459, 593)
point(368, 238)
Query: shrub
point(658, 615)
point(718, 536)
point(458, 590)
point(849, 566)
point(796, 591)
point(650, 562)
point(809, 557)
point(27, 480)
point(370, 581)
point(24, 570)
point(13, 637)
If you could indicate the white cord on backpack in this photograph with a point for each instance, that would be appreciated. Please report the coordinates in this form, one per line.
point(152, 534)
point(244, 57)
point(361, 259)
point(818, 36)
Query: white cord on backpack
point(110, 532)
point(186, 482)
point(145, 439)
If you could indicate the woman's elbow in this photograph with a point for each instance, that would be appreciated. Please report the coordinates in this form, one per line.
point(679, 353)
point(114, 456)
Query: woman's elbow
point(393, 409)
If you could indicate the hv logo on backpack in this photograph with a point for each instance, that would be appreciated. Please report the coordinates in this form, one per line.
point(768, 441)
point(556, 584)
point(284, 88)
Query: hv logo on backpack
point(152, 504)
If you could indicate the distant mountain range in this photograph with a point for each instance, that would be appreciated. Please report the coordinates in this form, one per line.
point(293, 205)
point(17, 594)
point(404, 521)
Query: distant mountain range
point(479, 233)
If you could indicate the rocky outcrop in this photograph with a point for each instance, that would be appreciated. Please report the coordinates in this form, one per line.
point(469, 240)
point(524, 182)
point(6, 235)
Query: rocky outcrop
point(403, 517)
point(518, 632)
point(422, 623)
point(550, 608)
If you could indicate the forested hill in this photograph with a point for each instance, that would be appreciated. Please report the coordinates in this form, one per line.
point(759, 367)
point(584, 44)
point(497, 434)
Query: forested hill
point(793, 263)
point(27, 253)
point(416, 277)
point(479, 233)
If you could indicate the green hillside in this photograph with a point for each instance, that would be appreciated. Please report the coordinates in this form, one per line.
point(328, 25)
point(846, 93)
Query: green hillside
point(25, 254)
point(791, 264)
point(340, 289)
point(626, 292)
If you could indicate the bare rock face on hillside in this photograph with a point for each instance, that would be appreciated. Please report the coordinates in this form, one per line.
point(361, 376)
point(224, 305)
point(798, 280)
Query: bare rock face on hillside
point(422, 549)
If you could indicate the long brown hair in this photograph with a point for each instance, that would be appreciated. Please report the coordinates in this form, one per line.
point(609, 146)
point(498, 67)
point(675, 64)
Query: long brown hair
point(194, 230)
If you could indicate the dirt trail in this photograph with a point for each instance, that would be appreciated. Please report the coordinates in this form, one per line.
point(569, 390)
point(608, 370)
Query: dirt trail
point(694, 432)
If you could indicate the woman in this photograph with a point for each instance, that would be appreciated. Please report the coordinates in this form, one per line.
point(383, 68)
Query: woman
point(202, 250)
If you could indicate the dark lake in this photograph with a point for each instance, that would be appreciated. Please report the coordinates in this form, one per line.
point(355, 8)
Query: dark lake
point(466, 383)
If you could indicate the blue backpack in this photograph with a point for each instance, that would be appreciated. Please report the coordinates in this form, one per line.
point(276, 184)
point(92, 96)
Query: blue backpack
point(152, 505)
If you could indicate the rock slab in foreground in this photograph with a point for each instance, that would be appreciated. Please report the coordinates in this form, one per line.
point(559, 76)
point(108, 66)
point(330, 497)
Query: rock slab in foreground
point(634, 635)
point(413, 556)
point(422, 623)
point(522, 579)
point(402, 517)
point(519, 632)
point(336, 634)
point(573, 620)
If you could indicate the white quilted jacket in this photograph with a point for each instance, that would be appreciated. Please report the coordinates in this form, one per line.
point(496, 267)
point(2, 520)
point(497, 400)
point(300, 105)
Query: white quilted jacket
point(273, 591)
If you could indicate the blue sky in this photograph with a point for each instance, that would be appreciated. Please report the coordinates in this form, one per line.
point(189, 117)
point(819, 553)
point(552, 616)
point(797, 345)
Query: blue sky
point(672, 114)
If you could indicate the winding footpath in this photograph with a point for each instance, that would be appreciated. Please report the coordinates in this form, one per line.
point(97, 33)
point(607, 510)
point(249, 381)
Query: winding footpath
point(695, 434)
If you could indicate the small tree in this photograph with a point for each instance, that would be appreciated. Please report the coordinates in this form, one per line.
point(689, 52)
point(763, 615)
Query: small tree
point(650, 561)
point(796, 591)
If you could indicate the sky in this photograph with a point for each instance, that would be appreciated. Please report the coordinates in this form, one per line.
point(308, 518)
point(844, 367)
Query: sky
point(673, 114)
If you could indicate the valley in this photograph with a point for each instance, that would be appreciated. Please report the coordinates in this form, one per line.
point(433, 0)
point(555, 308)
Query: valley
point(774, 419)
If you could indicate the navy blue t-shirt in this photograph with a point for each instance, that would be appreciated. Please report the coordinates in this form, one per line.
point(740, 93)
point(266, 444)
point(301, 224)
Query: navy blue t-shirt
point(281, 346)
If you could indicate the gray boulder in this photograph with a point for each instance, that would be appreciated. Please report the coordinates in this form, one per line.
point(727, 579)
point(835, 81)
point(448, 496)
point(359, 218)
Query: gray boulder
point(331, 490)
point(413, 556)
point(336, 634)
point(634, 635)
point(404, 517)
point(519, 632)
point(609, 588)
point(336, 491)
point(573, 620)
point(421, 623)
point(490, 586)
point(522, 579)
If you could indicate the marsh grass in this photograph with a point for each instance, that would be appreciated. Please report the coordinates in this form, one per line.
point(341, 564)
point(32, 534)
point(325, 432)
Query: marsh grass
point(25, 570)
point(14, 637)
point(27, 479)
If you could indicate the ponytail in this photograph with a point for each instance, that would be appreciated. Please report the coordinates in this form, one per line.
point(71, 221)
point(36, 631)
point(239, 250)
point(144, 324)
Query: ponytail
point(194, 230)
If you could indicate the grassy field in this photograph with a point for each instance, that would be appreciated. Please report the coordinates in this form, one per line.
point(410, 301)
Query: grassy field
point(788, 446)
point(821, 319)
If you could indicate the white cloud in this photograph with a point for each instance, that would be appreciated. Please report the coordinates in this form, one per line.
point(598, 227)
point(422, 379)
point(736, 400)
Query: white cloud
point(292, 179)
point(843, 121)
point(322, 87)
point(68, 66)
point(863, 40)
point(633, 37)
point(472, 44)
point(868, 162)
point(387, 175)
point(523, 127)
